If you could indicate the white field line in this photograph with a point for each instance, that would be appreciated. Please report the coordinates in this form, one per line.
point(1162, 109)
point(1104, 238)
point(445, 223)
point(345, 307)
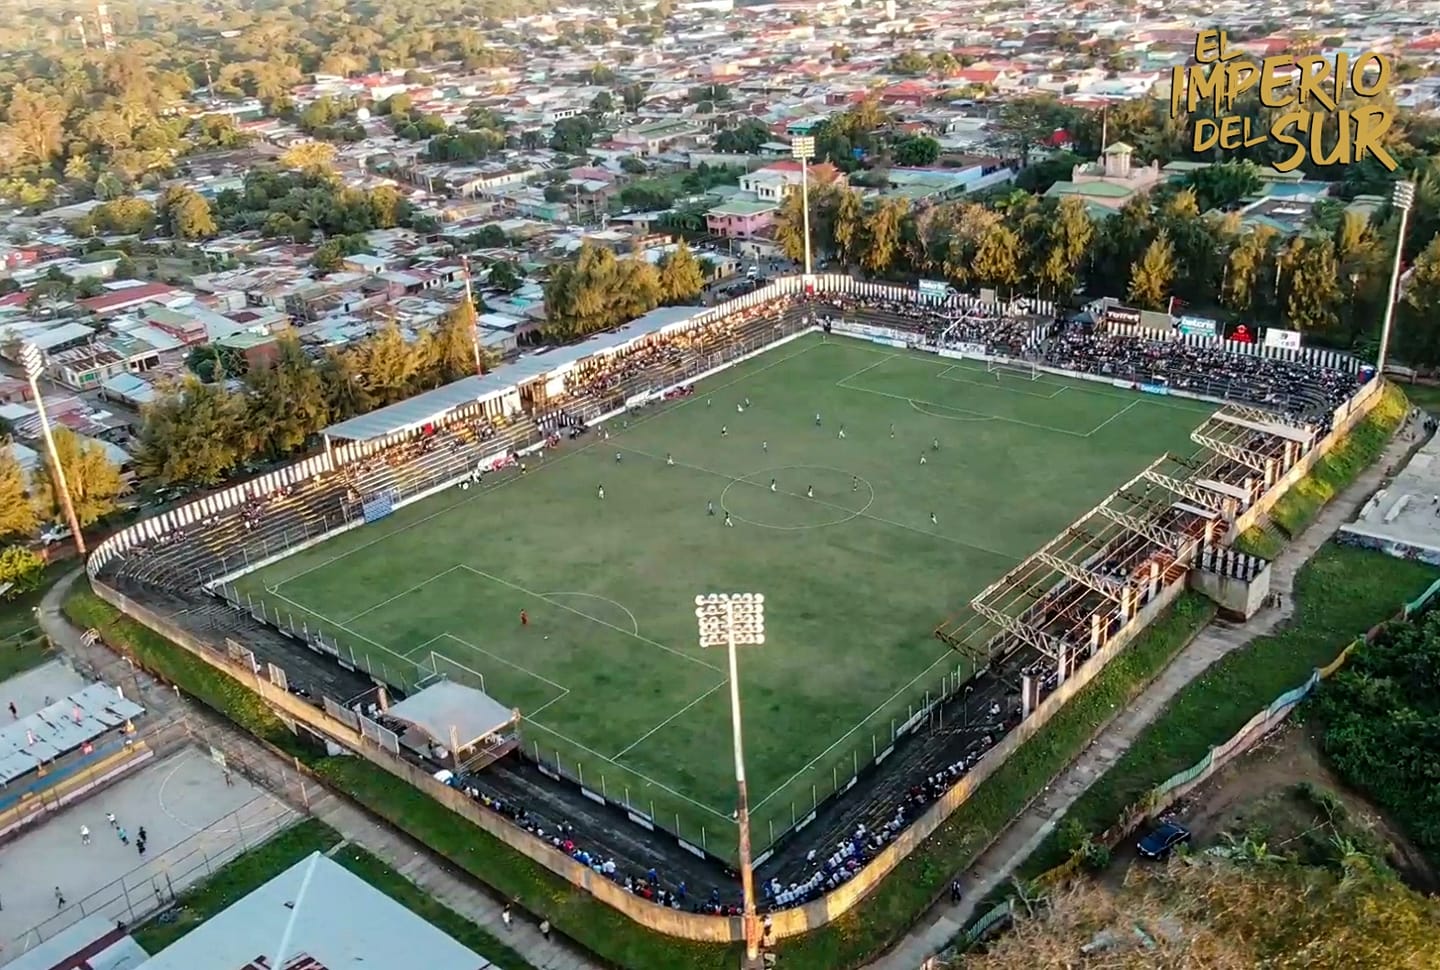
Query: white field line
point(1112, 417)
point(596, 440)
point(946, 656)
point(673, 717)
point(342, 627)
point(635, 636)
point(498, 659)
point(839, 508)
point(386, 602)
point(631, 771)
point(950, 407)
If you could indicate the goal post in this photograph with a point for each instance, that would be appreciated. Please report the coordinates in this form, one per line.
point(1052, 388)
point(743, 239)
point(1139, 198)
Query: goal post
point(1026, 370)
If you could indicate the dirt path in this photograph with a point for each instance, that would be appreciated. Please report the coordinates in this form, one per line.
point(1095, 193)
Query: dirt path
point(1025, 833)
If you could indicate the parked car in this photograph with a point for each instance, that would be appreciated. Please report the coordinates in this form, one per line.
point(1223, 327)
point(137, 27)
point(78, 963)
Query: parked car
point(1162, 840)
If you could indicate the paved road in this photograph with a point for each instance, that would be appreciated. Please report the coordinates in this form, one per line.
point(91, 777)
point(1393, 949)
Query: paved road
point(426, 870)
point(1025, 833)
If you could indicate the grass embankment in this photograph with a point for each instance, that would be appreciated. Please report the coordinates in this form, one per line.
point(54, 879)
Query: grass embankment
point(1338, 595)
point(22, 645)
point(868, 930)
point(890, 911)
point(237, 879)
point(1330, 475)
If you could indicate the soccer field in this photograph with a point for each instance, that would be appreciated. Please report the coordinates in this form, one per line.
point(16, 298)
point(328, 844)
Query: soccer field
point(608, 672)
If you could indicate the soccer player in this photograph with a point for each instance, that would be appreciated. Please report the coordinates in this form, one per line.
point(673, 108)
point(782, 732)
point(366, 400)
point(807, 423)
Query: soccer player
point(922, 457)
point(600, 492)
point(855, 484)
point(817, 419)
point(933, 520)
point(892, 430)
point(997, 377)
point(724, 431)
point(709, 508)
point(708, 402)
point(617, 457)
point(524, 618)
point(842, 432)
point(747, 402)
point(809, 491)
point(728, 523)
point(772, 484)
point(935, 444)
point(739, 409)
point(669, 458)
point(764, 446)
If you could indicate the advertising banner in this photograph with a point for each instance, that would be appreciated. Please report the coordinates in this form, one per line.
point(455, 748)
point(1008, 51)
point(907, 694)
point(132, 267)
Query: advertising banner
point(1160, 389)
point(1198, 326)
point(1121, 314)
point(1286, 339)
point(934, 289)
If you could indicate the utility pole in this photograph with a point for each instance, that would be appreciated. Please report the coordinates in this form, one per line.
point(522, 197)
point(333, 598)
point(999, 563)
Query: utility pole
point(475, 329)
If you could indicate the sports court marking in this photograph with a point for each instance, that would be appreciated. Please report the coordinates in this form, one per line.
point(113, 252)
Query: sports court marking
point(386, 602)
point(631, 771)
point(569, 609)
point(947, 655)
point(564, 691)
point(273, 591)
point(851, 516)
point(967, 415)
point(596, 440)
point(944, 375)
point(1112, 417)
point(912, 401)
point(237, 827)
point(603, 599)
point(673, 717)
point(839, 508)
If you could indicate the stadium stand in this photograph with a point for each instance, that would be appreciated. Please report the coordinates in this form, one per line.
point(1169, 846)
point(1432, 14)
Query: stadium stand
point(1027, 632)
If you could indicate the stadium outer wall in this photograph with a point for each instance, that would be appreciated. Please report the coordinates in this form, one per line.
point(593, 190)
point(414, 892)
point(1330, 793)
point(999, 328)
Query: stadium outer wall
point(677, 923)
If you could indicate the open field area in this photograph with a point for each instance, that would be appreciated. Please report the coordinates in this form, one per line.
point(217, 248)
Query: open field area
point(842, 544)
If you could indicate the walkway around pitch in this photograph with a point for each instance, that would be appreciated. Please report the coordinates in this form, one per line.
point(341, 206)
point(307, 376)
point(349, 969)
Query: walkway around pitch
point(1024, 834)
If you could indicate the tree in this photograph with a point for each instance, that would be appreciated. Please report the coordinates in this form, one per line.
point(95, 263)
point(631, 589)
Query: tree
point(573, 136)
point(631, 165)
point(92, 479)
point(916, 151)
point(1151, 275)
point(1417, 325)
point(1224, 185)
point(125, 216)
point(449, 349)
point(190, 435)
point(1225, 914)
point(17, 514)
point(598, 291)
point(312, 157)
point(681, 279)
point(1247, 272)
point(387, 369)
point(744, 139)
point(1028, 121)
point(1067, 235)
point(187, 214)
point(504, 276)
point(1310, 284)
point(286, 402)
point(603, 103)
point(21, 571)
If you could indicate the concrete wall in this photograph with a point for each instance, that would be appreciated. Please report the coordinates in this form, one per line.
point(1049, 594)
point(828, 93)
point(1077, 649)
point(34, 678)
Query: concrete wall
point(661, 919)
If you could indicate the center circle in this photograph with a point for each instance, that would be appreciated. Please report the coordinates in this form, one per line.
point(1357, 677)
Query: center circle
point(749, 499)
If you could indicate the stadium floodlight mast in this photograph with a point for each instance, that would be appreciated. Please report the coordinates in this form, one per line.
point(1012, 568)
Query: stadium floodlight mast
point(733, 620)
point(34, 363)
point(1402, 198)
point(803, 148)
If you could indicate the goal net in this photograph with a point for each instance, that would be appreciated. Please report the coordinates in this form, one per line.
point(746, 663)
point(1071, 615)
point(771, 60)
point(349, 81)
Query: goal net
point(1026, 370)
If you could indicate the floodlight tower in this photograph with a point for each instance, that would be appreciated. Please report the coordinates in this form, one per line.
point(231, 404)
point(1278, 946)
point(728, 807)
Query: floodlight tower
point(34, 363)
point(733, 620)
point(804, 150)
point(1402, 198)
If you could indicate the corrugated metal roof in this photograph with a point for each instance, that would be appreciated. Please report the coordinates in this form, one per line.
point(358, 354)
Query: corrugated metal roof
point(322, 911)
point(423, 408)
point(61, 727)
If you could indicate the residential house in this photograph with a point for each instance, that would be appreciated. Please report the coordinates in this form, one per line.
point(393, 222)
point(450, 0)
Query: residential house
point(656, 137)
point(1108, 184)
point(740, 218)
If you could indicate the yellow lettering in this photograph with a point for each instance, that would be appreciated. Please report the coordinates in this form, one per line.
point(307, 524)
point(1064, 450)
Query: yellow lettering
point(1205, 84)
point(1340, 154)
point(1314, 71)
point(1207, 46)
point(1230, 133)
point(1251, 140)
point(1225, 52)
point(1207, 135)
point(1244, 75)
point(1280, 131)
point(1342, 75)
point(1371, 124)
point(1177, 90)
point(1272, 82)
point(1360, 85)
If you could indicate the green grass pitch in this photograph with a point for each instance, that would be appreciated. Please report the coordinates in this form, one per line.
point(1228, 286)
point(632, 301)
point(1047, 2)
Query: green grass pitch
point(609, 673)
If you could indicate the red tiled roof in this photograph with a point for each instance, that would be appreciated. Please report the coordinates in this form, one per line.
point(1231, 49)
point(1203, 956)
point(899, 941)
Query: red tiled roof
point(126, 297)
